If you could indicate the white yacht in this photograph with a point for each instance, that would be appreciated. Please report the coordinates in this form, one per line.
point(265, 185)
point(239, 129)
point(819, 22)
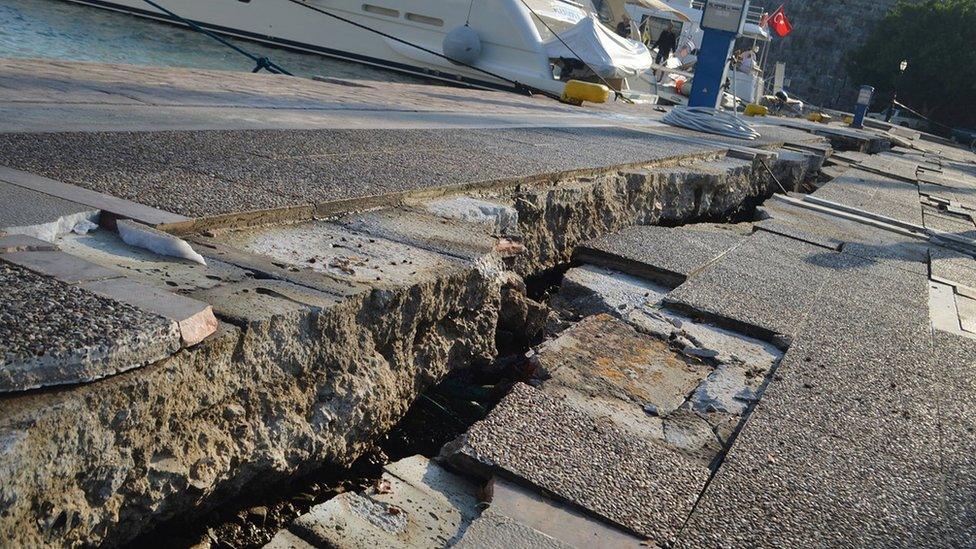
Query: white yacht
point(501, 43)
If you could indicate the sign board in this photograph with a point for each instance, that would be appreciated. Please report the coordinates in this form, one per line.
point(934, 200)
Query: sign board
point(865, 95)
point(779, 77)
point(725, 15)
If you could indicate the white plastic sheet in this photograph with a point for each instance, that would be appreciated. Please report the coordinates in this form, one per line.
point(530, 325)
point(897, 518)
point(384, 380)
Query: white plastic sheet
point(610, 55)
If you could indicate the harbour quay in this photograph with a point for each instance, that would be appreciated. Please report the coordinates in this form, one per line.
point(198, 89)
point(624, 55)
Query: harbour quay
point(544, 325)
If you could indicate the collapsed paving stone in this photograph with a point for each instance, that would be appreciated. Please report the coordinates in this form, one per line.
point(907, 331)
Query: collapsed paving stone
point(555, 446)
point(762, 288)
point(604, 366)
point(662, 254)
point(515, 516)
point(416, 503)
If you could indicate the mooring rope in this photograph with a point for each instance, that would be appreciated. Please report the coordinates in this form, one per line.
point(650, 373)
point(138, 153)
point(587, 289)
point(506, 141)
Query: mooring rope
point(261, 62)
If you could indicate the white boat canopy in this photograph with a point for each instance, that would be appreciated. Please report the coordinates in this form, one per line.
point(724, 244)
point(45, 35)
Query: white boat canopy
point(609, 54)
point(617, 6)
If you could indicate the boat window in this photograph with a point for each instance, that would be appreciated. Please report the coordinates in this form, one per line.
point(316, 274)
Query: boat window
point(417, 18)
point(380, 10)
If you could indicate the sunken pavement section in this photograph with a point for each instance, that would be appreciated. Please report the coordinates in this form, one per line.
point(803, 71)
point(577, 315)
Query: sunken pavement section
point(238, 279)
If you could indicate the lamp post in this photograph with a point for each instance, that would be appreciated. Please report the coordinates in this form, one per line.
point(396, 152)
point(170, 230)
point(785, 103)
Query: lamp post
point(894, 96)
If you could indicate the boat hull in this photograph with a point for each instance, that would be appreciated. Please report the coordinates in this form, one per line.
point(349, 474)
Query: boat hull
point(510, 44)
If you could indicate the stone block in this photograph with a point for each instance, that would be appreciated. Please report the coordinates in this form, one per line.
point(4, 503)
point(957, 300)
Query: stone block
point(60, 265)
point(195, 319)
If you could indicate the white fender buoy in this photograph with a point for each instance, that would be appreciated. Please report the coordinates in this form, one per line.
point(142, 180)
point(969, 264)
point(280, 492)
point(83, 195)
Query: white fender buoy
point(462, 45)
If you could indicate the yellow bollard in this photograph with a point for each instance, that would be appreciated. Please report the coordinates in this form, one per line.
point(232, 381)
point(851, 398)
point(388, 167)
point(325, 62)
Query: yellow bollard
point(753, 109)
point(577, 91)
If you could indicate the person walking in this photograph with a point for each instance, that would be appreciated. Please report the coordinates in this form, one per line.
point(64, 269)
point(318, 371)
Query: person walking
point(666, 43)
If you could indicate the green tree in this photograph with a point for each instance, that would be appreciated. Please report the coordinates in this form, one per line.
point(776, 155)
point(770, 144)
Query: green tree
point(938, 38)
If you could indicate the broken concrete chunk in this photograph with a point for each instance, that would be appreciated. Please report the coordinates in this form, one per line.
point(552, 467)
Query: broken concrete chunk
point(195, 319)
point(423, 230)
point(690, 432)
point(144, 236)
point(502, 219)
point(728, 390)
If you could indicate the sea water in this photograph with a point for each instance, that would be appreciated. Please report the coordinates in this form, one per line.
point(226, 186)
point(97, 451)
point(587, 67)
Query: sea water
point(57, 29)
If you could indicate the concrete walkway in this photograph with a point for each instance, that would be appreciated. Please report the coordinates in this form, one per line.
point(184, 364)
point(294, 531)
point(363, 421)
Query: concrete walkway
point(803, 378)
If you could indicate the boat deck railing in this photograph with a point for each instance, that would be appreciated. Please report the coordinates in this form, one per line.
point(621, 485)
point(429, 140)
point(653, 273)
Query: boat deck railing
point(754, 16)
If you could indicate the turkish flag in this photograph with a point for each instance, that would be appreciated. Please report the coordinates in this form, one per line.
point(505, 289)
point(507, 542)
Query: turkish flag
point(780, 23)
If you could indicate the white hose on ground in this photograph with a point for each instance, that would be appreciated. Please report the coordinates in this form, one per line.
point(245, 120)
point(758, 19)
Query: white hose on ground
point(713, 121)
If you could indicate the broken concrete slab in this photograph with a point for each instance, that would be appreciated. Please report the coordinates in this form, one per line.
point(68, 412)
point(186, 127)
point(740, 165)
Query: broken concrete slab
point(966, 308)
point(63, 266)
point(742, 362)
point(946, 222)
point(342, 254)
point(461, 239)
point(416, 503)
point(885, 163)
point(955, 268)
point(195, 319)
point(762, 288)
point(784, 229)
point(251, 301)
point(589, 290)
point(660, 254)
point(24, 243)
point(519, 517)
point(54, 333)
point(591, 463)
point(606, 360)
point(876, 194)
point(492, 529)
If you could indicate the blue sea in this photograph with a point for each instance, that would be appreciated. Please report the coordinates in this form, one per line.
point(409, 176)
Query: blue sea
point(58, 29)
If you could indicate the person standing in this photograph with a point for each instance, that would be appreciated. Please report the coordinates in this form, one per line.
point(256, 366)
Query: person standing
point(623, 27)
point(666, 43)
